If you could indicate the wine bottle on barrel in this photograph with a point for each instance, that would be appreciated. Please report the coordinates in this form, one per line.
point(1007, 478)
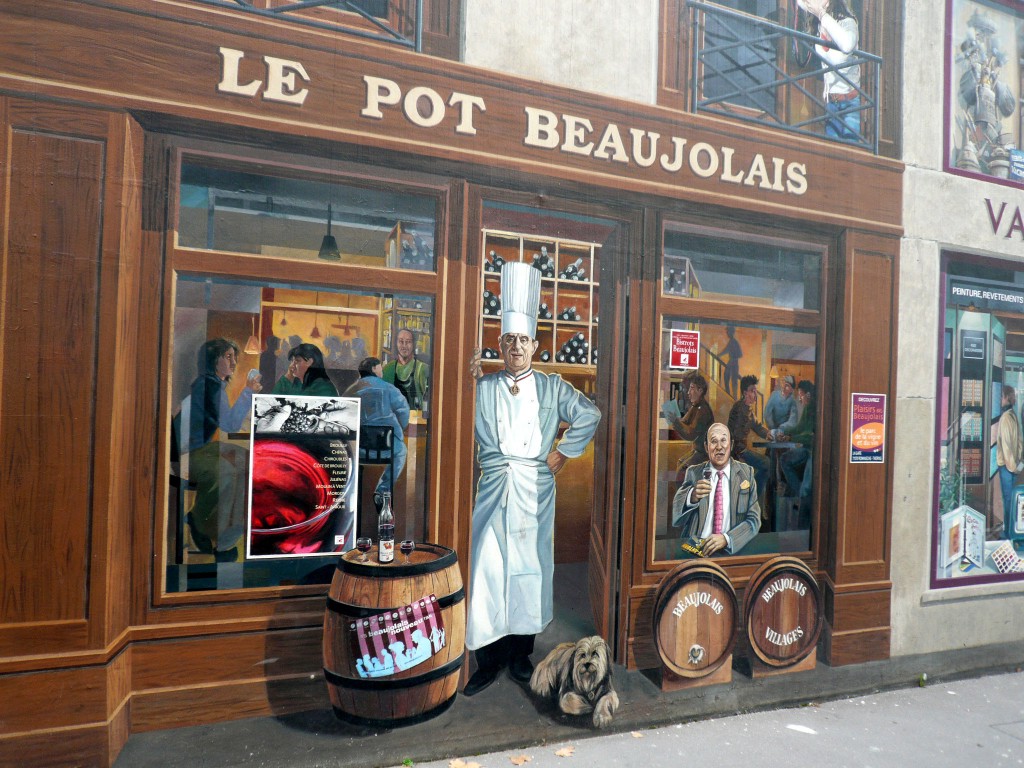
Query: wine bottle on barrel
point(386, 530)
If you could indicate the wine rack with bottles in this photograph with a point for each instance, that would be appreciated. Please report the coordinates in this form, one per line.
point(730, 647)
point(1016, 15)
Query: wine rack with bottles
point(568, 315)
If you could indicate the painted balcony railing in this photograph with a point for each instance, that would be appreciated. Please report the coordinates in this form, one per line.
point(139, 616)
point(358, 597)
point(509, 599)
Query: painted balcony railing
point(748, 68)
point(394, 21)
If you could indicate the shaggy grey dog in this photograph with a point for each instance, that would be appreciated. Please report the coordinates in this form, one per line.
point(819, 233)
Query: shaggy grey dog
point(579, 675)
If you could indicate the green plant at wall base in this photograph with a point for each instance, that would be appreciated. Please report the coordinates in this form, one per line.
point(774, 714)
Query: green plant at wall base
point(949, 487)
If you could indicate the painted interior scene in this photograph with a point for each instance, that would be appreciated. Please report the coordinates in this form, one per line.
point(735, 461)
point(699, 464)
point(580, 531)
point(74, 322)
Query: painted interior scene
point(759, 381)
point(232, 339)
point(980, 496)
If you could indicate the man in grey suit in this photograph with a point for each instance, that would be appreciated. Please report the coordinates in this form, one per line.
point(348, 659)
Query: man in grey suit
point(716, 506)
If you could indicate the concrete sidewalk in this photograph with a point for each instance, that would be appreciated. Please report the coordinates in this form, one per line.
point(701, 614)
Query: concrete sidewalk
point(976, 722)
point(913, 726)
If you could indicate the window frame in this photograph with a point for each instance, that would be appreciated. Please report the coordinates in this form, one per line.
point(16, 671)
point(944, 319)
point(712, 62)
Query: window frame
point(937, 582)
point(259, 268)
point(665, 305)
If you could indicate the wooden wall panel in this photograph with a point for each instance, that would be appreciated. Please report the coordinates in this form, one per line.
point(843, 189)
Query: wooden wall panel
point(47, 408)
point(856, 538)
point(442, 28)
point(224, 658)
point(38, 701)
point(188, 681)
point(865, 353)
point(65, 717)
point(127, 460)
point(69, 180)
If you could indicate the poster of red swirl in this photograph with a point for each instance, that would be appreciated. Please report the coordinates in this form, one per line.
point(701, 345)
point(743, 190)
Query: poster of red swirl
point(302, 475)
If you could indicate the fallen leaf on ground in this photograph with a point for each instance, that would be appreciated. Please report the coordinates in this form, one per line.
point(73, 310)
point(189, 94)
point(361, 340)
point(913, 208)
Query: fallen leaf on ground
point(636, 734)
point(459, 763)
point(565, 751)
point(520, 759)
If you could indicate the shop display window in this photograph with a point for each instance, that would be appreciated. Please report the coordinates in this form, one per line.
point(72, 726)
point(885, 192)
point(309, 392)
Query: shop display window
point(283, 276)
point(233, 346)
point(235, 210)
point(979, 526)
point(773, 432)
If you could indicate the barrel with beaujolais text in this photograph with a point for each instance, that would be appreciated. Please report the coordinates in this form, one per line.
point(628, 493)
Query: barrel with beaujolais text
point(695, 611)
point(782, 612)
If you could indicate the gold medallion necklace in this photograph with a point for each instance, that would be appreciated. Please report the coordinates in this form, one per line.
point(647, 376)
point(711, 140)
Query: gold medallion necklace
point(513, 388)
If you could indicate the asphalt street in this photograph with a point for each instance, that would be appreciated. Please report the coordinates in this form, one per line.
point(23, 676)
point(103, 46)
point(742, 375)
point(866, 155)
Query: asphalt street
point(977, 722)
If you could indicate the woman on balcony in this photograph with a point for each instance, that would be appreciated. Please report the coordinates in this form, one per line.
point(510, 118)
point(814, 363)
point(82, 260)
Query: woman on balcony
point(834, 22)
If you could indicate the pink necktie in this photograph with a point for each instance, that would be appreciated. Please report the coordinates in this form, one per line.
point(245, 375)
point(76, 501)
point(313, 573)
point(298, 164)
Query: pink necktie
point(719, 504)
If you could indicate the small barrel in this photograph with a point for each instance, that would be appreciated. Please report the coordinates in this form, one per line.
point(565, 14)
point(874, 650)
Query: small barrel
point(395, 637)
point(782, 612)
point(695, 612)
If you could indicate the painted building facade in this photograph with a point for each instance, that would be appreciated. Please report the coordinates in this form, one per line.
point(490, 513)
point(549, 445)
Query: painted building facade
point(959, 271)
point(180, 173)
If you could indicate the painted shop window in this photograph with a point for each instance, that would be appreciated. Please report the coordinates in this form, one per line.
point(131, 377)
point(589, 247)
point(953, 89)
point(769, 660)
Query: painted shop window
point(986, 88)
point(699, 265)
point(226, 209)
point(757, 381)
point(278, 443)
point(772, 476)
point(979, 525)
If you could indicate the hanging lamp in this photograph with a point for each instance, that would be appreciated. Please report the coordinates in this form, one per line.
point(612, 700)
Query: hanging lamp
point(253, 346)
point(329, 247)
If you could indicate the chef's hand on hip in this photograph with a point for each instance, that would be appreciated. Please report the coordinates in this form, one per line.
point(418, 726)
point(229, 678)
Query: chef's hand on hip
point(555, 461)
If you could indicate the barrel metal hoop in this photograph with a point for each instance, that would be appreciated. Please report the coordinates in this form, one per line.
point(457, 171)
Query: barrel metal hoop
point(362, 612)
point(377, 684)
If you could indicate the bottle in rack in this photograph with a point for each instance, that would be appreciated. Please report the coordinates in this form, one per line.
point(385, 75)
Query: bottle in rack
point(545, 356)
point(569, 313)
point(570, 271)
point(492, 304)
point(386, 530)
point(493, 262)
point(575, 350)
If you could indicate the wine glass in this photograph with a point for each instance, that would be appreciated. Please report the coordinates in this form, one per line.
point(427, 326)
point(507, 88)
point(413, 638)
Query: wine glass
point(364, 544)
point(406, 548)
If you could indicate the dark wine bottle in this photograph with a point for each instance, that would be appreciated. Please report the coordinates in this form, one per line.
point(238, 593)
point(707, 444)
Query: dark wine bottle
point(386, 530)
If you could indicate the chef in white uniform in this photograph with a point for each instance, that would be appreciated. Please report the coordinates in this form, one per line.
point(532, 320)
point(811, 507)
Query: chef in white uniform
point(518, 412)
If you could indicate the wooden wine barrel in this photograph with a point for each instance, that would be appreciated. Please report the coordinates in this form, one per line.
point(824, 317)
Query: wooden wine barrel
point(395, 637)
point(782, 612)
point(695, 612)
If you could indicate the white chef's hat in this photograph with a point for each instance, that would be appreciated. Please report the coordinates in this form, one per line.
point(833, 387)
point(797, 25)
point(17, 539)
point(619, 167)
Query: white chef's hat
point(520, 298)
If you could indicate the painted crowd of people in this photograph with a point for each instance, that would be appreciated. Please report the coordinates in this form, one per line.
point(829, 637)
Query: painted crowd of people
point(217, 467)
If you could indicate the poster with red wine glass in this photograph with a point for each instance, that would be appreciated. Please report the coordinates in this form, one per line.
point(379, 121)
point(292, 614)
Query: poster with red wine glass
point(302, 476)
